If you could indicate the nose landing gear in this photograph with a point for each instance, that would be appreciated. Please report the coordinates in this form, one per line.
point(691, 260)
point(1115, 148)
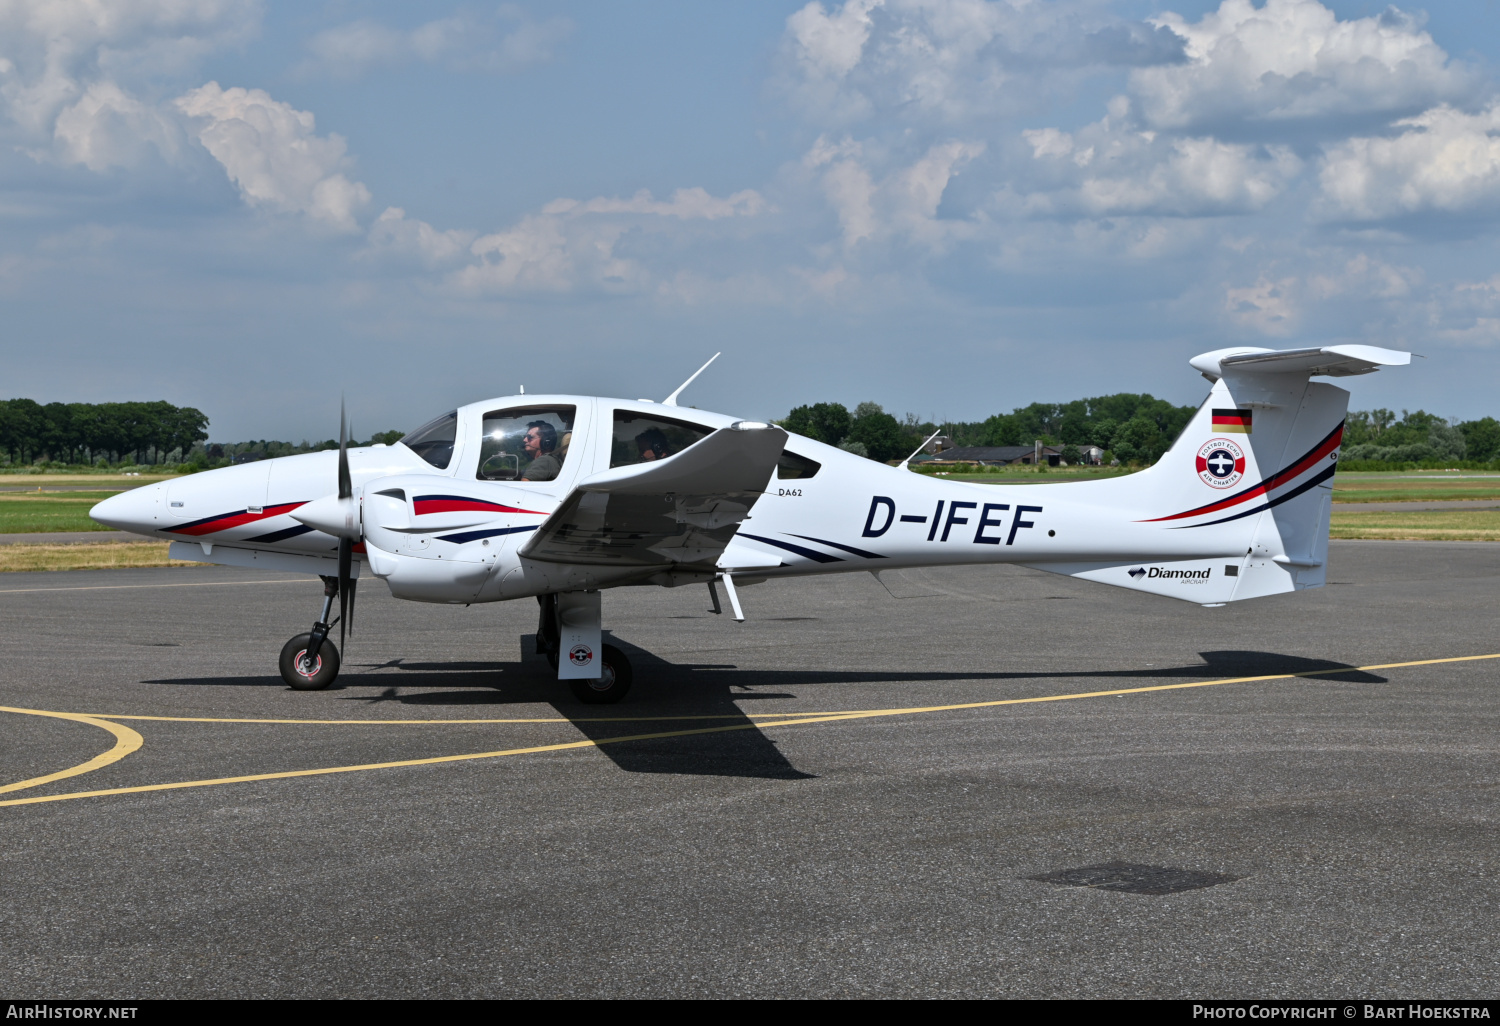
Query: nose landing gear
point(310, 662)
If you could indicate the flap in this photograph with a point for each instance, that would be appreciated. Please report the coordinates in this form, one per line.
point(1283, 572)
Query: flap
point(1333, 361)
point(680, 510)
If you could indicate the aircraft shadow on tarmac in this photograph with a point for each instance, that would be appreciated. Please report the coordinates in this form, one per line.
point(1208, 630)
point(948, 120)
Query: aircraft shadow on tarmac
point(711, 690)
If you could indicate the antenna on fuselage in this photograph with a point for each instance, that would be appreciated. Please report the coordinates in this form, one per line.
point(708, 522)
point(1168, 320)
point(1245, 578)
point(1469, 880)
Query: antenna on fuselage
point(919, 448)
point(671, 400)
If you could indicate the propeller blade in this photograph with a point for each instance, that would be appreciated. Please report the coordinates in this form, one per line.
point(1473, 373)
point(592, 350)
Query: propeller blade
point(346, 487)
point(346, 558)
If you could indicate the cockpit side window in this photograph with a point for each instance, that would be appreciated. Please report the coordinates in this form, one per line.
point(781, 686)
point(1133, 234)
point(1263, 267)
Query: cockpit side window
point(642, 438)
point(794, 467)
point(526, 443)
point(434, 440)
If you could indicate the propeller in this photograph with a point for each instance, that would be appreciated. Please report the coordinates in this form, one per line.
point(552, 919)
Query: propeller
point(346, 542)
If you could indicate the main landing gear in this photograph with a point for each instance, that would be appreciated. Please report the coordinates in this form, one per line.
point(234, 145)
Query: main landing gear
point(569, 629)
point(310, 662)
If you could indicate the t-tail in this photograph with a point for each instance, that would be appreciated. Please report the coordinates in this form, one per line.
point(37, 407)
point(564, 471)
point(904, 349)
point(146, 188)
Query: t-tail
point(1247, 487)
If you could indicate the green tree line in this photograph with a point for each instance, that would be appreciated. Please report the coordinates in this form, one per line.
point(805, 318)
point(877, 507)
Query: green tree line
point(76, 433)
point(1134, 429)
point(1419, 437)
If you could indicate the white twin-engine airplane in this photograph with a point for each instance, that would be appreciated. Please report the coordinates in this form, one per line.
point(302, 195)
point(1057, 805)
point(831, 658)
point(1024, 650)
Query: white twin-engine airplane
point(559, 497)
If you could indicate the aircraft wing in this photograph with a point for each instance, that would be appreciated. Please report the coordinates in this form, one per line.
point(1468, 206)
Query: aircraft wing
point(680, 510)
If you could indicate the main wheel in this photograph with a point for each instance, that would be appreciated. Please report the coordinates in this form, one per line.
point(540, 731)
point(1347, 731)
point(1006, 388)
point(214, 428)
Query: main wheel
point(324, 670)
point(613, 682)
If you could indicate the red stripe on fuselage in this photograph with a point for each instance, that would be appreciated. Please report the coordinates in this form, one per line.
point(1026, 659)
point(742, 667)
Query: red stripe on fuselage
point(212, 525)
point(1322, 449)
point(455, 504)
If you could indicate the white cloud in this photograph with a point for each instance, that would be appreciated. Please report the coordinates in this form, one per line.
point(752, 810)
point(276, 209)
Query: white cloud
point(106, 127)
point(951, 60)
point(1267, 306)
point(1364, 276)
point(53, 52)
point(685, 204)
point(1444, 160)
point(1293, 59)
point(394, 233)
point(272, 153)
point(572, 244)
point(830, 45)
point(508, 42)
point(1111, 169)
point(901, 205)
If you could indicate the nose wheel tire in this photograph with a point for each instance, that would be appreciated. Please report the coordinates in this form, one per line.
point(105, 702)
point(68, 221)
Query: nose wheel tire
point(323, 672)
point(612, 684)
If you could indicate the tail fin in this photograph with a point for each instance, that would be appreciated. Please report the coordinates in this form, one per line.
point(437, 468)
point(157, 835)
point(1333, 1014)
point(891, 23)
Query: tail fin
point(1256, 462)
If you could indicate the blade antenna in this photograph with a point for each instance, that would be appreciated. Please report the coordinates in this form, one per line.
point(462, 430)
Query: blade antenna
point(919, 448)
point(671, 400)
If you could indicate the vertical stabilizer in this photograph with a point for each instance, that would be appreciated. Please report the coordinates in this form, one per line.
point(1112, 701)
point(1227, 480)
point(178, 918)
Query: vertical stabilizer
point(1253, 471)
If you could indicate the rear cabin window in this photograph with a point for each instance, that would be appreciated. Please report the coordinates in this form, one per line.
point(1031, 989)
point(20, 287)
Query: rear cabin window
point(527, 443)
point(642, 438)
point(434, 440)
point(793, 467)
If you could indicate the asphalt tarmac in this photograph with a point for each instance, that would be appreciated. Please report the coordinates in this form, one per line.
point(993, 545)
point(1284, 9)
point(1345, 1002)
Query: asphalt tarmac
point(1345, 817)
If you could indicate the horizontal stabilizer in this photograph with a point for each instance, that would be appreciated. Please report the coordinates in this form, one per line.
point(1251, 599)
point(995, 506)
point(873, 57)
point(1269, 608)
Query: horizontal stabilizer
point(1333, 361)
point(684, 509)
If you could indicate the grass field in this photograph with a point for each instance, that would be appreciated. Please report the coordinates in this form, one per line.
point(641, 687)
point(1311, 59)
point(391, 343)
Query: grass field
point(34, 512)
point(1414, 487)
point(104, 556)
point(1430, 525)
point(112, 481)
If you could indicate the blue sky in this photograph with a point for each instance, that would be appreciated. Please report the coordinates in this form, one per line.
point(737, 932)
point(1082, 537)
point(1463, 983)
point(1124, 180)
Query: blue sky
point(951, 207)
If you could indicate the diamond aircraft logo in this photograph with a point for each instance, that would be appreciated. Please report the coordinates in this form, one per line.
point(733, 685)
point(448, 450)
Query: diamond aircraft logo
point(1138, 572)
point(1221, 463)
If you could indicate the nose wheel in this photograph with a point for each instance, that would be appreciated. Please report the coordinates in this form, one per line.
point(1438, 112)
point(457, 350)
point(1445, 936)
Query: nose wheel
point(304, 673)
point(310, 662)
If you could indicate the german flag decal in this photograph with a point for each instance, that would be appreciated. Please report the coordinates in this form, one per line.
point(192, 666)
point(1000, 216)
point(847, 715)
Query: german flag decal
point(1235, 422)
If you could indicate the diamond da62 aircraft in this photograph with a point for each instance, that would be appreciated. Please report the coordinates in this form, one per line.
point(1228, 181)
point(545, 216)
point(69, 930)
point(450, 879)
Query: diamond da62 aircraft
point(555, 498)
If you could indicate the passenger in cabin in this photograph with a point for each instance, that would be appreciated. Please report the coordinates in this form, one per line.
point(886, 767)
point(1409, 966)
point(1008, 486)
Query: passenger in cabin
point(539, 444)
point(652, 445)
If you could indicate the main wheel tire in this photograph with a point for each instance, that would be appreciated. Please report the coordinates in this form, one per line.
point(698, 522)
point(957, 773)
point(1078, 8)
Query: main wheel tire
point(325, 671)
point(612, 684)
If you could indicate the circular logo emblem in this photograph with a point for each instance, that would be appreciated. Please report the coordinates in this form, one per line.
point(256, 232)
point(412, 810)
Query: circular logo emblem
point(581, 655)
point(1221, 463)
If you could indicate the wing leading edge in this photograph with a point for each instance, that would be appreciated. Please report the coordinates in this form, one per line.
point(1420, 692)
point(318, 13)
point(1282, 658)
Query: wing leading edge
point(682, 510)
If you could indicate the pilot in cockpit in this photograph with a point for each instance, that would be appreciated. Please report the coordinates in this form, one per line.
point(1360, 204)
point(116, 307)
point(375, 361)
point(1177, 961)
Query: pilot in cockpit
point(539, 444)
point(652, 445)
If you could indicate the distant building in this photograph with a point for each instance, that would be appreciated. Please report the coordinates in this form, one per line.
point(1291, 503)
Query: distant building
point(1005, 455)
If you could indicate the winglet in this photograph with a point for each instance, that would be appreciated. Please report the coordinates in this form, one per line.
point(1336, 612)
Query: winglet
point(1333, 361)
point(671, 400)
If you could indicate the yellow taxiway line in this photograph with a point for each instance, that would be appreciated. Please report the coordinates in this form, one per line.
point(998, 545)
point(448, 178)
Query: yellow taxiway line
point(829, 717)
point(126, 741)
